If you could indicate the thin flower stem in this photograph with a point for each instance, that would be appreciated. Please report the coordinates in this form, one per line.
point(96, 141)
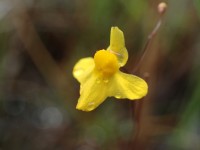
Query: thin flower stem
point(147, 44)
point(139, 106)
point(161, 11)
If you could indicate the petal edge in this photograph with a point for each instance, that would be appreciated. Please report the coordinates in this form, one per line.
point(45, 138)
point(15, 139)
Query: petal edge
point(83, 68)
point(128, 86)
point(93, 93)
point(117, 45)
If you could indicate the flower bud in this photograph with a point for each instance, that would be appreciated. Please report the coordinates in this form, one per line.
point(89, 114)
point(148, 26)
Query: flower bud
point(162, 7)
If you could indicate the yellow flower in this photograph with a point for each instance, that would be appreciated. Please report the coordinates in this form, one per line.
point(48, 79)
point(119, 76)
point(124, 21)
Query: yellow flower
point(100, 76)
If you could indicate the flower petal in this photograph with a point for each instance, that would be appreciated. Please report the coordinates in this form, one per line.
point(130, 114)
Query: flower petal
point(93, 93)
point(127, 86)
point(83, 69)
point(117, 45)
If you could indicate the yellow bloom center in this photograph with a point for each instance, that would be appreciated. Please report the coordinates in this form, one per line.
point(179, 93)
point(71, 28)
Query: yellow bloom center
point(106, 63)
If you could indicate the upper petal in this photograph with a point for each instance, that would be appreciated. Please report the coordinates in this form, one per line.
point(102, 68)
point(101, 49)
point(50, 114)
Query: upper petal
point(117, 45)
point(127, 86)
point(93, 93)
point(83, 69)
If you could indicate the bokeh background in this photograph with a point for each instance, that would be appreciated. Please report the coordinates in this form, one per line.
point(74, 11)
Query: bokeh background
point(41, 40)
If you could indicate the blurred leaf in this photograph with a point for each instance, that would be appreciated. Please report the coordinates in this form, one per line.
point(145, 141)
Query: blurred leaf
point(101, 12)
point(197, 6)
point(135, 8)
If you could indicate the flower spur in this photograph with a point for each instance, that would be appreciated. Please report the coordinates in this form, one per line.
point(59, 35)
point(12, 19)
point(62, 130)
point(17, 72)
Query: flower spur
point(100, 76)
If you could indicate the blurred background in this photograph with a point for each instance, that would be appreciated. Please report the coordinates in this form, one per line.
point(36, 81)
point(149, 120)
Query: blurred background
point(40, 42)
